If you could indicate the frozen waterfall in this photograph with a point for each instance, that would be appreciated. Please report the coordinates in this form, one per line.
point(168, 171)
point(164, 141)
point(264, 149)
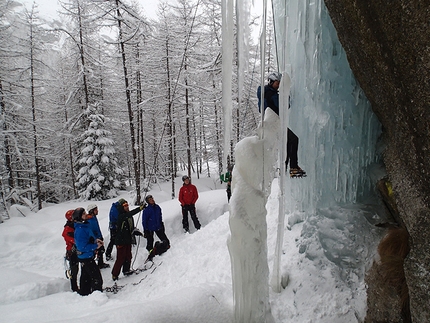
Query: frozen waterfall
point(329, 112)
point(338, 135)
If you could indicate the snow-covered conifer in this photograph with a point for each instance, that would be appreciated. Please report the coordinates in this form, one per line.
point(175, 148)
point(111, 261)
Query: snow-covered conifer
point(99, 174)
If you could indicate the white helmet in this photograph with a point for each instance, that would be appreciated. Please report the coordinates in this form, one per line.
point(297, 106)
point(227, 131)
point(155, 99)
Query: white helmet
point(275, 76)
point(91, 207)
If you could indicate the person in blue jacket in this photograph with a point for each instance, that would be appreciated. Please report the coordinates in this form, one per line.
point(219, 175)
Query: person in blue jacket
point(87, 244)
point(93, 211)
point(113, 219)
point(152, 221)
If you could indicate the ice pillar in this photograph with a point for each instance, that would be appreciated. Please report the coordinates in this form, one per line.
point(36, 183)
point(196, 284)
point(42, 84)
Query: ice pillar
point(255, 163)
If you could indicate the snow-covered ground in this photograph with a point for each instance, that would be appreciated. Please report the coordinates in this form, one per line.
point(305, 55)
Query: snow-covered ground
point(324, 259)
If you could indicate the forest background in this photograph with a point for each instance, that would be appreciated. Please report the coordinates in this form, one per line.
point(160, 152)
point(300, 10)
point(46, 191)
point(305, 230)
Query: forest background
point(103, 98)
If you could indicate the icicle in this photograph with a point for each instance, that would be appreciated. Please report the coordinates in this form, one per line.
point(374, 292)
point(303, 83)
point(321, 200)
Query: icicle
point(280, 23)
point(262, 63)
point(242, 27)
point(276, 281)
point(227, 68)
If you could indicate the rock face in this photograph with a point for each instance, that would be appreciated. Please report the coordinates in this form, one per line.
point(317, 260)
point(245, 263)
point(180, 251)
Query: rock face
point(388, 48)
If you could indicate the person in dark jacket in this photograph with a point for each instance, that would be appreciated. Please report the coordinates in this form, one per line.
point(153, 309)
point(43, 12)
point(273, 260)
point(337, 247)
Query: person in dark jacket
point(188, 196)
point(271, 100)
point(71, 255)
point(124, 238)
point(227, 178)
point(152, 221)
point(93, 211)
point(113, 220)
point(87, 245)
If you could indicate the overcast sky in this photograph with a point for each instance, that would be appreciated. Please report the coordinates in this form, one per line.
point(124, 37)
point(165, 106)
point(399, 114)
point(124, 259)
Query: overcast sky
point(48, 8)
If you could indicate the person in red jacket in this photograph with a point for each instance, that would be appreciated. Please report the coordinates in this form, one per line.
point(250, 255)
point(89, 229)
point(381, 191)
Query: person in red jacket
point(71, 255)
point(188, 196)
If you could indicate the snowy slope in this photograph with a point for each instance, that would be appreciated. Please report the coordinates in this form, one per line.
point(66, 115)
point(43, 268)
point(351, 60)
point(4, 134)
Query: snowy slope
point(193, 282)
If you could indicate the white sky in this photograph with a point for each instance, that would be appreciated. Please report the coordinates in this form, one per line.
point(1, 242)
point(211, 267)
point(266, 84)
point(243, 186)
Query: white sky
point(48, 8)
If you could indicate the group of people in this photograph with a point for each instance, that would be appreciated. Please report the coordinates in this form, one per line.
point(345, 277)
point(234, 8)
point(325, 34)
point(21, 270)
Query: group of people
point(85, 243)
point(84, 240)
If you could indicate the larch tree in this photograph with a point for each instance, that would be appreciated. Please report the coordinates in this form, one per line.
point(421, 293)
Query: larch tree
point(6, 168)
point(129, 26)
point(213, 126)
point(23, 91)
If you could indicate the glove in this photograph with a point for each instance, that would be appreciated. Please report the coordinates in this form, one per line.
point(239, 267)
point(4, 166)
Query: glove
point(99, 243)
point(142, 206)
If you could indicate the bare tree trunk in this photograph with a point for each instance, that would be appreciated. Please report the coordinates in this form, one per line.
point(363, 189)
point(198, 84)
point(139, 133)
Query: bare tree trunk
point(155, 154)
point(169, 123)
point(231, 153)
point(33, 110)
point(196, 135)
point(69, 144)
point(217, 131)
point(237, 122)
point(8, 161)
point(203, 146)
point(205, 154)
point(81, 52)
point(130, 110)
point(72, 170)
point(141, 142)
point(175, 155)
point(187, 124)
point(102, 99)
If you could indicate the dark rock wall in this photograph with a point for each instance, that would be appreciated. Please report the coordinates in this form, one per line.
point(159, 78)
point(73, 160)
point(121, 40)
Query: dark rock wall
point(388, 48)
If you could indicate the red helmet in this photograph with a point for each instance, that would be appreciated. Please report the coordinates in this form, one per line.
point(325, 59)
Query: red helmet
point(69, 215)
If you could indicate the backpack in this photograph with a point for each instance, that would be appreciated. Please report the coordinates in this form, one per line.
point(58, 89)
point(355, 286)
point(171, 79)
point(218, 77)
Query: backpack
point(113, 216)
point(160, 247)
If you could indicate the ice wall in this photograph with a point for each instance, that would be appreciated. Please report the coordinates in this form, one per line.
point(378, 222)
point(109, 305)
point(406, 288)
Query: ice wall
point(329, 113)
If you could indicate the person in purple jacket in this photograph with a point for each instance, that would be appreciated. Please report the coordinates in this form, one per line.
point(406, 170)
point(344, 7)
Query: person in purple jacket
point(152, 221)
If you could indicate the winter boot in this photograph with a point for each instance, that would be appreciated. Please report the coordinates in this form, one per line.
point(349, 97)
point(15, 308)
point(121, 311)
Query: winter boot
point(103, 265)
point(126, 269)
point(151, 255)
point(297, 172)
